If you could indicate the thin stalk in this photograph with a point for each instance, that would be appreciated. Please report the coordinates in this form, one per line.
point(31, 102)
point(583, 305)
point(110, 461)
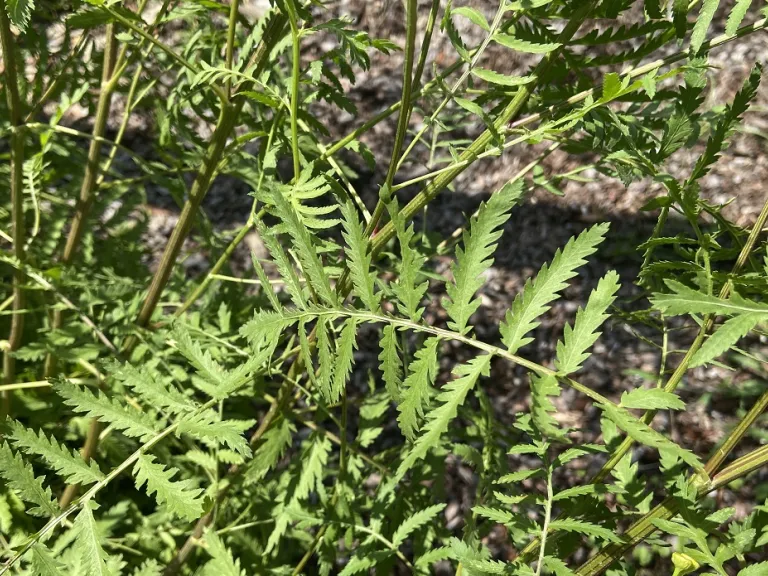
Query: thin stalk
point(425, 43)
point(234, 7)
point(18, 226)
point(411, 12)
point(295, 81)
point(227, 120)
point(547, 518)
point(458, 83)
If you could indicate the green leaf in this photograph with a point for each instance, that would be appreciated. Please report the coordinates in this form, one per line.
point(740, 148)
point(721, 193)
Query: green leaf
point(314, 460)
point(524, 45)
point(612, 86)
point(20, 478)
point(473, 15)
point(325, 359)
point(651, 399)
point(274, 443)
point(222, 562)
point(266, 285)
point(572, 351)
point(128, 420)
point(494, 514)
point(541, 406)
point(644, 434)
point(390, 364)
point(417, 386)
point(680, 17)
point(87, 544)
point(359, 258)
point(407, 291)
point(20, 11)
point(43, 562)
point(180, 498)
point(736, 16)
point(284, 267)
point(706, 14)
point(451, 396)
point(414, 522)
point(725, 337)
point(583, 527)
point(475, 258)
point(533, 301)
point(685, 300)
point(344, 359)
point(67, 464)
point(501, 79)
point(210, 428)
point(756, 569)
point(305, 249)
point(154, 392)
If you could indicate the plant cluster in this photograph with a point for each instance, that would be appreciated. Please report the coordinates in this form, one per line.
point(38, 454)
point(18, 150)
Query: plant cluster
point(154, 423)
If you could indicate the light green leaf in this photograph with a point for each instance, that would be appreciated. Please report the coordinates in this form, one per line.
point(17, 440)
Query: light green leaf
point(583, 527)
point(67, 464)
point(473, 15)
point(266, 285)
point(274, 443)
point(644, 434)
point(756, 569)
point(703, 21)
point(390, 364)
point(451, 396)
point(406, 289)
point(494, 514)
point(314, 459)
point(524, 45)
point(305, 249)
point(222, 562)
point(736, 16)
point(325, 358)
point(685, 300)
point(284, 266)
point(572, 351)
point(542, 387)
point(212, 430)
point(20, 478)
point(87, 544)
point(43, 562)
point(611, 86)
point(414, 522)
point(128, 420)
point(154, 392)
point(475, 258)
point(651, 399)
point(359, 258)
point(417, 386)
point(181, 498)
point(533, 301)
point(501, 79)
point(344, 358)
point(725, 337)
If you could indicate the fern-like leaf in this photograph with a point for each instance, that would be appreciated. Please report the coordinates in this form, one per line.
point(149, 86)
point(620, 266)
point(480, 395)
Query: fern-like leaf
point(583, 527)
point(212, 430)
point(406, 289)
point(451, 396)
point(222, 562)
point(128, 420)
point(181, 498)
point(684, 300)
point(572, 351)
point(533, 301)
point(724, 337)
point(390, 363)
point(737, 14)
point(155, 393)
point(284, 267)
point(274, 443)
point(475, 258)
point(542, 387)
point(325, 359)
point(344, 358)
point(307, 254)
point(417, 386)
point(67, 464)
point(87, 544)
point(359, 258)
point(20, 478)
point(314, 461)
point(44, 563)
point(415, 522)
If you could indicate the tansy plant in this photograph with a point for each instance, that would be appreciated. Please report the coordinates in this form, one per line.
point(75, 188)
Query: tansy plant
point(154, 423)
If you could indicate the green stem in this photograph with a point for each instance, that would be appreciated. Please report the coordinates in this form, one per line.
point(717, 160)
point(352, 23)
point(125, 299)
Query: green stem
point(411, 12)
point(425, 43)
point(295, 85)
point(18, 226)
point(230, 53)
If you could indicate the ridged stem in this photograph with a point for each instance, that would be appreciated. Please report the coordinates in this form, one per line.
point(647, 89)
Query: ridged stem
point(295, 85)
point(411, 11)
point(18, 231)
